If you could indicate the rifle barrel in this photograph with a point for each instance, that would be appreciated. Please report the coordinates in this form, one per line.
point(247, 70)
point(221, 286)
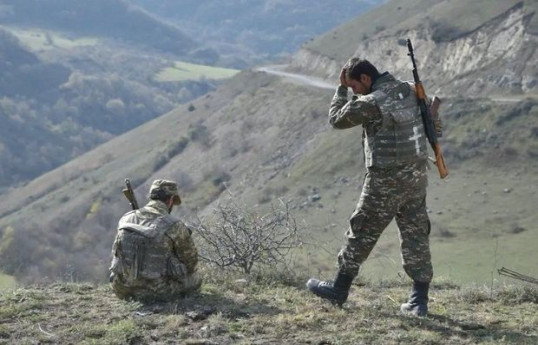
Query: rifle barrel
point(426, 116)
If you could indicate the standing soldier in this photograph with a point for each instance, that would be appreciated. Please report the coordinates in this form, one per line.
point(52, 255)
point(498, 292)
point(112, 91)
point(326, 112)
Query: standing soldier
point(154, 257)
point(395, 153)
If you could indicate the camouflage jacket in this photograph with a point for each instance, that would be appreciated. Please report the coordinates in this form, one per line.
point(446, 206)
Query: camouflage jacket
point(393, 133)
point(168, 245)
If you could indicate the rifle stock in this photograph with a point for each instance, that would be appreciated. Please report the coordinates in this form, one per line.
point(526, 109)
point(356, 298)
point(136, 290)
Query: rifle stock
point(425, 111)
point(434, 107)
point(440, 160)
point(434, 111)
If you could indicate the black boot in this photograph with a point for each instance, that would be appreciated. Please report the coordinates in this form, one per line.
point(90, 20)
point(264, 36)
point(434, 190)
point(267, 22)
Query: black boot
point(335, 291)
point(418, 300)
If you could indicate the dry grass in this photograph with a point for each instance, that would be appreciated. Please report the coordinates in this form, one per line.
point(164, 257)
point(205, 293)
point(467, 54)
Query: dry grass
point(265, 311)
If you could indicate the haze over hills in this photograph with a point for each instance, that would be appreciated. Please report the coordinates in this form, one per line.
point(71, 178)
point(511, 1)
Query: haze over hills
point(56, 106)
point(77, 73)
point(260, 138)
point(256, 31)
point(113, 19)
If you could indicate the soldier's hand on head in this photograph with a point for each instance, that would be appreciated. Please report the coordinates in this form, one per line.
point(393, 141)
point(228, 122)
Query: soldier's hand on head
point(343, 80)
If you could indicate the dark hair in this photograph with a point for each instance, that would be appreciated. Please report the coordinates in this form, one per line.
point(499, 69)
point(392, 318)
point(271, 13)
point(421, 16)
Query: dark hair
point(355, 67)
point(160, 195)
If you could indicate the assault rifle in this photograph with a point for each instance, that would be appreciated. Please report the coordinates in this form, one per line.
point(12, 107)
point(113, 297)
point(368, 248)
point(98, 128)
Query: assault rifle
point(427, 117)
point(130, 195)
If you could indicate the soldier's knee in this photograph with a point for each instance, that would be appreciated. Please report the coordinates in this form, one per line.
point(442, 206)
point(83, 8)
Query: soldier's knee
point(356, 221)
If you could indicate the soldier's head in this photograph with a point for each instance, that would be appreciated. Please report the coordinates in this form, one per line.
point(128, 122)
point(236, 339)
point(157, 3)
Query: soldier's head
point(165, 191)
point(360, 75)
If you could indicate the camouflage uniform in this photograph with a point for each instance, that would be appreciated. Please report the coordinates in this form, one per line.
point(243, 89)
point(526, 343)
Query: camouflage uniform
point(154, 257)
point(395, 184)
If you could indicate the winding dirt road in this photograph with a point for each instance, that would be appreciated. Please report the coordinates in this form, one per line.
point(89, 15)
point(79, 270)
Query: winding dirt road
point(302, 79)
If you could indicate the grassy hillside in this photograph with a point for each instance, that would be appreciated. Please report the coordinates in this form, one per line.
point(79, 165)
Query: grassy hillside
point(270, 143)
point(260, 138)
point(187, 71)
point(483, 48)
point(40, 40)
point(451, 19)
point(64, 94)
point(76, 73)
point(20, 65)
point(97, 176)
point(265, 311)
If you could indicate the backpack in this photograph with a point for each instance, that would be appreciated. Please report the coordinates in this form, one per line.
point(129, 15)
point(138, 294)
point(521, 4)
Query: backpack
point(140, 253)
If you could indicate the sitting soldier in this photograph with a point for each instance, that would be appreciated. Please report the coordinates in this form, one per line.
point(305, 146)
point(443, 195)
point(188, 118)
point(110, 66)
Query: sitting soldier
point(153, 256)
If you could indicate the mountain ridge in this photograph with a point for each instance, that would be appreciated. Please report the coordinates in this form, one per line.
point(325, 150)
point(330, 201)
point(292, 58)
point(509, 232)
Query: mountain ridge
point(490, 42)
point(116, 18)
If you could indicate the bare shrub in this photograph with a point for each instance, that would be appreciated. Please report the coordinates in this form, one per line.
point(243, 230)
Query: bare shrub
point(200, 134)
point(177, 146)
point(443, 31)
point(238, 238)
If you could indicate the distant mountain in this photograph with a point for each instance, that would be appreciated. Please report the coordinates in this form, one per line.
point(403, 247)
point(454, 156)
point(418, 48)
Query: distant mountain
point(18, 65)
point(476, 48)
point(260, 139)
point(76, 73)
point(53, 111)
point(256, 31)
point(73, 74)
point(105, 18)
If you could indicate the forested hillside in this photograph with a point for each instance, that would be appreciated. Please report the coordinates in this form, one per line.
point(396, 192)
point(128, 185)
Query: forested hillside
point(19, 65)
point(75, 74)
point(256, 31)
point(53, 111)
point(114, 19)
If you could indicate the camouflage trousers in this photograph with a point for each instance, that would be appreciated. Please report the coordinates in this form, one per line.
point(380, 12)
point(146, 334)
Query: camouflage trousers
point(156, 290)
point(388, 194)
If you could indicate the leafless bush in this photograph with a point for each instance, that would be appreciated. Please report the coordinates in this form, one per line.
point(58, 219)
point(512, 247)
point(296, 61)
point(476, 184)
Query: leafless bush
point(237, 238)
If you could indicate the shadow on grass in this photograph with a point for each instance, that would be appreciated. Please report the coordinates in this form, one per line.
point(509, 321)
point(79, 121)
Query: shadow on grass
point(201, 306)
point(468, 330)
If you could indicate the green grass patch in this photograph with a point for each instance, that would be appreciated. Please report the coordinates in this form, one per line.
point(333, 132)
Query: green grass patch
point(187, 71)
point(474, 230)
point(40, 40)
point(7, 281)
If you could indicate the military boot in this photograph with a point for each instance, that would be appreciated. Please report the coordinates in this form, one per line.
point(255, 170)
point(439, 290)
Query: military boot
point(418, 300)
point(335, 291)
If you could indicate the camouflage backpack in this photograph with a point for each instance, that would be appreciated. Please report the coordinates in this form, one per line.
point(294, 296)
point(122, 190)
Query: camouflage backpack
point(140, 253)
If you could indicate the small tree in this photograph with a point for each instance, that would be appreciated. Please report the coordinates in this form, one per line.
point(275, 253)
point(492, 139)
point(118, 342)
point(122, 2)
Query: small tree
point(234, 237)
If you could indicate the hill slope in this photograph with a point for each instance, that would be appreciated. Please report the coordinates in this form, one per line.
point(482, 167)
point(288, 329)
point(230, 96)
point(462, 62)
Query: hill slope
point(476, 49)
point(256, 31)
point(76, 73)
point(261, 138)
point(61, 102)
point(81, 72)
point(104, 18)
point(259, 312)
